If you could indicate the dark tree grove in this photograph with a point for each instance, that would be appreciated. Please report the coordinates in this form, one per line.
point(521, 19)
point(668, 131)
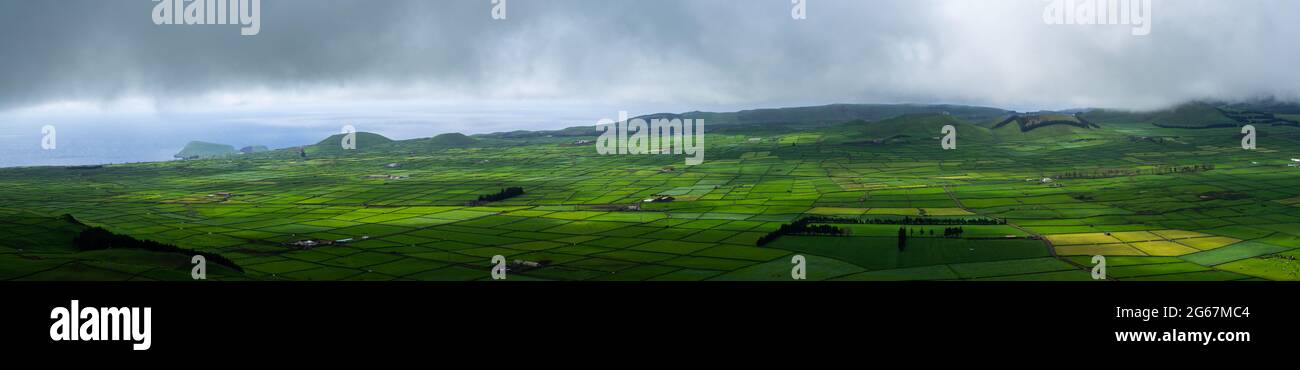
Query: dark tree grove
point(504, 194)
point(953, 232)
point(99, 239)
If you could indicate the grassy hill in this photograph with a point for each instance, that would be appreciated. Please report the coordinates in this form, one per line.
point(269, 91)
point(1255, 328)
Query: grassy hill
point(1118, 117)
point(253, 149)
point(866, 112)
point(1030, 122)
point(1042, 125)
point(454, 140)
point(803, 117)
point(1195, 115)
point(203, 150)
point(1059, 131)
point(364, 141)
point(1190, 115)
point(1269, 105)
point(921, 126)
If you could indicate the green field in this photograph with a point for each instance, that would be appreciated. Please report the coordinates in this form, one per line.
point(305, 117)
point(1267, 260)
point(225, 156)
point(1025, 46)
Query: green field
point(584, 215)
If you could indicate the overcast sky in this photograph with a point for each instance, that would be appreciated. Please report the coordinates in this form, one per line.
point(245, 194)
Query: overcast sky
point(418, 68)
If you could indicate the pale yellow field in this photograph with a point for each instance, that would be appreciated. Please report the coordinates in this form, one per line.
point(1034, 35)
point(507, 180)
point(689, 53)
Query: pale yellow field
point(837, 211)
point(947, 212)
point(895, 211)
point(1078, 239)
point(1179, 234)
point(1209, 243)
point(1165, 243)
point(1164, 248)
point(1136, 236)
point(1095, 249)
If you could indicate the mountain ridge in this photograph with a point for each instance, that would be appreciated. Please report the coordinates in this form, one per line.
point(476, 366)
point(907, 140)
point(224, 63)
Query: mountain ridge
point(1189, 115)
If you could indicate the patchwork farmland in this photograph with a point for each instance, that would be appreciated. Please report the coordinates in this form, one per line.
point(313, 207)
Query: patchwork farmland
point(1191, 205)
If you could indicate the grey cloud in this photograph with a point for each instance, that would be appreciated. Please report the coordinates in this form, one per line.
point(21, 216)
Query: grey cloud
point(671, 52)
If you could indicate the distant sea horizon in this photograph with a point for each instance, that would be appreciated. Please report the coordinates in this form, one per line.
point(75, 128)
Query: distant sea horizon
point(79, 147)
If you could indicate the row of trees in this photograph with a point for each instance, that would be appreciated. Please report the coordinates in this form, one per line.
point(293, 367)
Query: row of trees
point(903, 233)
point(802, 227)
point(908, 220)
point(948, 232)
point(805, 226)
point(952, 232)
point(1121, 172)
point(504, 194)
point(935, 221)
